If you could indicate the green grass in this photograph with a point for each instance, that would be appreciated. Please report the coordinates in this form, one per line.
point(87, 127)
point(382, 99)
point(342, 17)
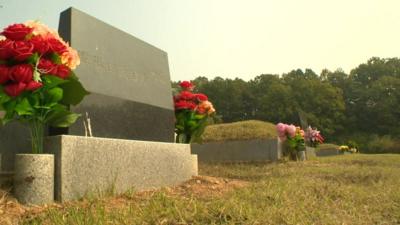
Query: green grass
point(350, 189)
point(245, 130)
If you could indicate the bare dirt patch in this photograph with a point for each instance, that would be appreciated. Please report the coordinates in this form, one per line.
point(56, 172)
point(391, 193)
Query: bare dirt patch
point(205, 186)
point(199, 186)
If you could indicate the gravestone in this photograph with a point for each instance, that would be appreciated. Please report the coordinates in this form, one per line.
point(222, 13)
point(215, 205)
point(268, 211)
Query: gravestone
point(129, 82)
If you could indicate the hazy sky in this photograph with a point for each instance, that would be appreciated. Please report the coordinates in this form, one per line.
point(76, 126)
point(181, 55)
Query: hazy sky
point(241, 38)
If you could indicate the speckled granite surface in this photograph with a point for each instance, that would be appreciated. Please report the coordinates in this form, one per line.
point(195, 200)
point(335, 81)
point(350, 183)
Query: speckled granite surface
point(90, 165)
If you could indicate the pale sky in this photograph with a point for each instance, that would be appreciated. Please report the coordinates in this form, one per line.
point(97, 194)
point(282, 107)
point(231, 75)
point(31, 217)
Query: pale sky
point(241, 38)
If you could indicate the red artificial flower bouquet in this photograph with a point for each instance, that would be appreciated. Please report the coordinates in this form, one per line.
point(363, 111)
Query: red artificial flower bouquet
point(36, 79)
point(192, 111)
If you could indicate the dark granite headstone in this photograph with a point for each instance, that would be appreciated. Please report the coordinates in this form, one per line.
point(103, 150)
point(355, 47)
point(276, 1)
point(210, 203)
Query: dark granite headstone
point(131, 96)
point(129, 81)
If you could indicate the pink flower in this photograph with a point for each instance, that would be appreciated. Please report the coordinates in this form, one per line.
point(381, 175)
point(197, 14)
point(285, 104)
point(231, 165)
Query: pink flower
point(281, 128)
point(291, 130)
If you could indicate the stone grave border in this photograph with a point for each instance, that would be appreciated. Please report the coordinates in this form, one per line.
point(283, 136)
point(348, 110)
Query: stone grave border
point(88, 165)
point(239, 151)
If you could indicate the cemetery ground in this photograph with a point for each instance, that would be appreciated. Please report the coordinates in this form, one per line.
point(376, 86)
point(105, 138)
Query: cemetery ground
point(347, 189)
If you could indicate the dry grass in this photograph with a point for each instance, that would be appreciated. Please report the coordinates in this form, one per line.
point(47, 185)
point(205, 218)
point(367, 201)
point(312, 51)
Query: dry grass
point(351, 189)
point(327, 147)
point(245, 130)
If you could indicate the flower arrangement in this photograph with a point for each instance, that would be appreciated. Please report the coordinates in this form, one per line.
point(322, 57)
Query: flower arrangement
point(345, 148)
point(36, 80)
point(191, 112)
point(313, 137)
point(293, 137)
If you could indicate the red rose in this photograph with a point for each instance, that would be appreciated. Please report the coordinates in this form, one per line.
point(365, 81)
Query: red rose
point(186, 95)
point(40, 45)
point(16, 32)
point(57, 46)
point(46, 66)
point(22, 50)
point(186, 85)
point(4, 74)
point(63, 71)
point(184, 105)
point(15, 89)
point(33, 85)
point(201, 97)
point(21, 73)
point(6, 49)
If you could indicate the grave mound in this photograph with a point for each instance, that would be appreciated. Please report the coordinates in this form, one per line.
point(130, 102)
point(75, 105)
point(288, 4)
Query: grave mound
point(243, 130)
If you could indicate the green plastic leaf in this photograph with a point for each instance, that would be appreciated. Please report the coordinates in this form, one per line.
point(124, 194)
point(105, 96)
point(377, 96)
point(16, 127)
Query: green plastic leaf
point(54, 95)
point(55, 58)
point(24, 108)
point(52, 81)
point(72, 76)
point(63, 119)
point(4, 97)
point(199, 116)
point(74, 92)
point(9, 106)
point(33, 58)
point(196, 135)
point(34, 100)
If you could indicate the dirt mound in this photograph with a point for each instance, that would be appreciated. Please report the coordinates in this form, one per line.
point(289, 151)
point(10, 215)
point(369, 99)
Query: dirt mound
point(204, 186)
point(200, 186)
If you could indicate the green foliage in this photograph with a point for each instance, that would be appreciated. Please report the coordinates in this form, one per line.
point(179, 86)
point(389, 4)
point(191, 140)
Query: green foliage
point(341, 105)
point(189, 126)
point(45, 106)
point(74, 92)
point(382, 144)
point(352, 144)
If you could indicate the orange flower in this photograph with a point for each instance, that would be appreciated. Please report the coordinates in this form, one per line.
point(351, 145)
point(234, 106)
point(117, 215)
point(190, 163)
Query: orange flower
point(41, 29)
point(205, 107)
point(70, 58)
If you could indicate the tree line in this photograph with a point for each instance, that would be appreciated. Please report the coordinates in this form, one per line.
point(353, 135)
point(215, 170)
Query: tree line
point(357, 105)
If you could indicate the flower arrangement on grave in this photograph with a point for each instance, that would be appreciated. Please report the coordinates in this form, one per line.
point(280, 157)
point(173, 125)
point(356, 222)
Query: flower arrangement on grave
point(293, 138)
point(192, 111)
point(347, 149)
point(353, 146)
point(36, 80)
point(313, 137)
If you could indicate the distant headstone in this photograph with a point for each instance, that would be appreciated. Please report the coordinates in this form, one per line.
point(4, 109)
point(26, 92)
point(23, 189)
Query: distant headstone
point(129, 81)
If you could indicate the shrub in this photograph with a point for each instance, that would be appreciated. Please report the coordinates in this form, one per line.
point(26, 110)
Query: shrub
point(382, 144)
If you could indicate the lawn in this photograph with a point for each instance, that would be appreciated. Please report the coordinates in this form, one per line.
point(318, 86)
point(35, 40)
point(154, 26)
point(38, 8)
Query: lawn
point(350, 189)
